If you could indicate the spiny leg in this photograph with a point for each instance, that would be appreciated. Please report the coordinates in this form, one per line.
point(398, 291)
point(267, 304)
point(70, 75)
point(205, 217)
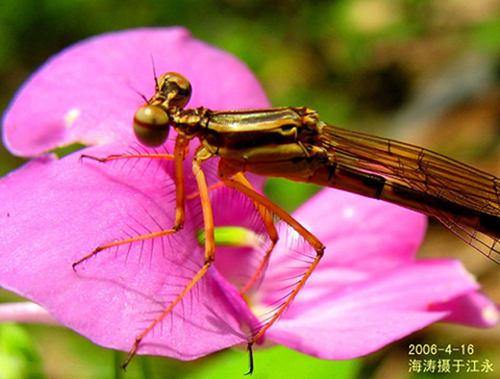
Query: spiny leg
point(180, 152)
point(268, 222)
point(213, 187)
point(127, 156)
point(143, 237)
point(308, 236)
point(178, 157)
point(271, 231)
point(209, 256)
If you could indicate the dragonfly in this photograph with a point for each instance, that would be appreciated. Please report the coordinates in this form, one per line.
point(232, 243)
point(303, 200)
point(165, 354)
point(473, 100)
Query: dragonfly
point(295, 144)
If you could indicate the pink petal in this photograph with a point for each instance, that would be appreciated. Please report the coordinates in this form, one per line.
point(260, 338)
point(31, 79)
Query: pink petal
point(368, 315)
point(472, 309)
point(391, 235)
point(75, 207)
point(88, 92)
point(361, 241)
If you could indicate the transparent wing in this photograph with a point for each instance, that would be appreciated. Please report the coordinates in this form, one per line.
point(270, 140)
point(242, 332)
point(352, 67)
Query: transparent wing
point(464, 199)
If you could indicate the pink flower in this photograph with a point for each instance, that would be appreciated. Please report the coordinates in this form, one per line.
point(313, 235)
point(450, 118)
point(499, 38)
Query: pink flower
point(367, 291)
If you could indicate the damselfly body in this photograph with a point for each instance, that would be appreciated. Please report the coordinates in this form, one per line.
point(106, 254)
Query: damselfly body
point(293, 143)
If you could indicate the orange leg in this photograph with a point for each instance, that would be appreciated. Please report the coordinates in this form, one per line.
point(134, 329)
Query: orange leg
point(178, 157)
point(271, 230)
point(213, 187)
point(209, 256)
point(126, 156)
point(308, 236)
point(268, 222)
point(124, 242)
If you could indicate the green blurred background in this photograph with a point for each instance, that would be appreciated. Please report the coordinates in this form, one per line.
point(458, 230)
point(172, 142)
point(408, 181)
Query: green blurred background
point(425, 72)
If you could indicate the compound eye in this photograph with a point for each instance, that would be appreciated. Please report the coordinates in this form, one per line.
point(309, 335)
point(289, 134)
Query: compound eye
point(151, 125)
point(174, 82)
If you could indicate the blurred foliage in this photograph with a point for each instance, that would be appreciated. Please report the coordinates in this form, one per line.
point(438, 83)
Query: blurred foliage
point(19, 359)
point(424, 71)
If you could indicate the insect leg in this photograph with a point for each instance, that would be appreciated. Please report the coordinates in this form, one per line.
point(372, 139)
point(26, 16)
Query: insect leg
point(209, 249)
point(143, 237)
point(127, 156)
point(178, 157)
point(268, 222)
point(308, 236)
point(271, 230)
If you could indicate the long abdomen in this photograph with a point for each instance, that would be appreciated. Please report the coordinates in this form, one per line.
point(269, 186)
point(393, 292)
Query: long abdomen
point(377, 187)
